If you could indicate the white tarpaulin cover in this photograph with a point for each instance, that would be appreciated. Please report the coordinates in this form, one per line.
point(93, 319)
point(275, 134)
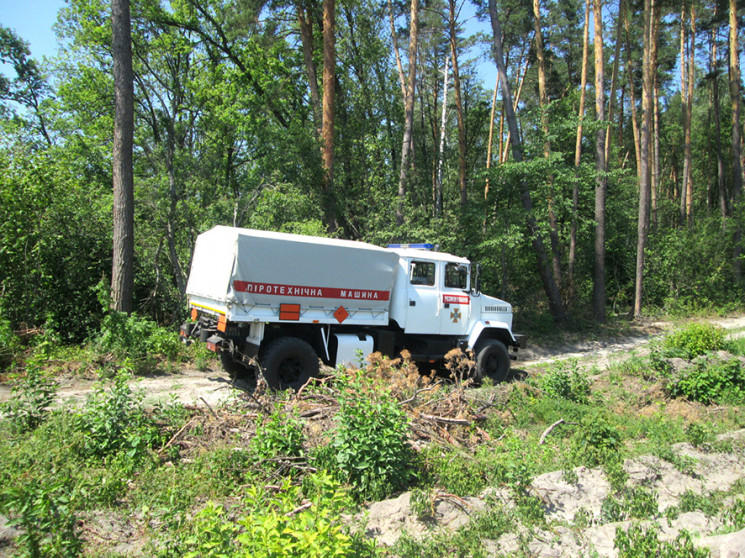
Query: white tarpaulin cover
point(253, 271)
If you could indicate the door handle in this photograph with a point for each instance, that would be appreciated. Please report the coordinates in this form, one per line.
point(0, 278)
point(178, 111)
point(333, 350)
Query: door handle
point(412, 303)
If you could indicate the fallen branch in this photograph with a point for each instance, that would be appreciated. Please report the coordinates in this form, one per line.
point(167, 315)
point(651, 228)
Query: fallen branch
point(210, 408)
point(548, 431)
point(462, 422)
point(307, 504)
point(176, 435)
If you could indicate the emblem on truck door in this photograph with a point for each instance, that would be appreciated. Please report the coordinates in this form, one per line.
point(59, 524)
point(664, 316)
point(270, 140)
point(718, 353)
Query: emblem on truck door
point(455, 315)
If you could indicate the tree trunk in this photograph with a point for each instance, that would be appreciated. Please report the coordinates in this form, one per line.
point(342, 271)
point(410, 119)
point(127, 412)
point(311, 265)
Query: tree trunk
point(122, 270)
point(491, 136)
point(632, 94)
point(644, 189)
point(601, 182)
point(614, 78)
point(734, 88)
point(543, 101)
point(329, 78)
point(306, 38)
point(721, 187)
point(552, 292)
point(578, 151)
point(408, 112)
point(441, 156)
point(462, 165)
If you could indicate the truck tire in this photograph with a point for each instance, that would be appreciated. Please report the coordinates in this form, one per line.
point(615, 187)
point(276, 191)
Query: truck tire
point(288, 363)
point(231, 367)
point(492, 361)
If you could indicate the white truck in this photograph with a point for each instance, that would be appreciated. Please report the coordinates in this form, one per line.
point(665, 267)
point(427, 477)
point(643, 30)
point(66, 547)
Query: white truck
point(279, 302)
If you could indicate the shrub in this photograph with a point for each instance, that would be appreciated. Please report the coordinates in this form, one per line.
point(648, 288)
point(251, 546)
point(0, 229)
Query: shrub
point(281, 437)
point(708, 380)
point(597, 441)
point(564, 379)
point(44, 513)
point(9, 342)
point(135, 337)
point(32, 396)
point(694, 340)
point(291, 522)
point(369, 447)
point(114, 420)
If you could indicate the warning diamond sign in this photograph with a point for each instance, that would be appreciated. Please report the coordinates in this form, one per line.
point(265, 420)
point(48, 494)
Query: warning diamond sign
point(341, 314)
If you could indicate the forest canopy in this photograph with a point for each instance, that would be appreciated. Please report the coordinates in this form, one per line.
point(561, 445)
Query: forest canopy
point(611, 183)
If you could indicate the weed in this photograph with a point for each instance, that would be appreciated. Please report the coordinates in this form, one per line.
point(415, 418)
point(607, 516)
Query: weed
point(564, 379)
point(280, 436)
point(369, 447)
point(422, 503)
point(114, 420)
point(698, 434)
point(706, 503)
point(709, 379)
point(736, 346)
point(44, 513)
point(597, 440)
point(694, 340)
point(734, 516)
point(32, 396)
point(640, 542)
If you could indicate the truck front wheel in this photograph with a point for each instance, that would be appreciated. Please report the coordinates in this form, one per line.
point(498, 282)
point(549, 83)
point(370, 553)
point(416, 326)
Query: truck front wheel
point(492, 361)
point(288, 363)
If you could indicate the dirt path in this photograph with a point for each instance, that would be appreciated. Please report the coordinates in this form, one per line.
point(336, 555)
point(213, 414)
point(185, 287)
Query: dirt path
point(213, 386)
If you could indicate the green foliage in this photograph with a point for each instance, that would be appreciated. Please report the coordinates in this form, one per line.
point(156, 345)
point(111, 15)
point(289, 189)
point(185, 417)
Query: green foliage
point(694, 340)
point(629, 503)
point(736, 346)
point(281, 436)
point(641, 542)
point(369, 447)
point(135, 337)
point(565, 379)
point(45, 514)
point(293, 522)
point(734, 516)
point(114, 420)
point(710, 380)
point(29, 405)
point(597, 440)
point(9, 342)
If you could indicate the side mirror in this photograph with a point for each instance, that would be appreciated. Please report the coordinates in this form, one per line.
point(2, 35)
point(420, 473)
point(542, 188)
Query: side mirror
point(476, 279)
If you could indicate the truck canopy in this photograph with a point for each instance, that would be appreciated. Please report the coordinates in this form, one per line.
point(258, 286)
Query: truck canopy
point(252, 275)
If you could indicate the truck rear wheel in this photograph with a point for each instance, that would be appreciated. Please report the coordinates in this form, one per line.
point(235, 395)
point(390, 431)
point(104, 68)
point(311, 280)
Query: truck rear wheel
point(231, 367)
point(492, 361)
point(288, 363)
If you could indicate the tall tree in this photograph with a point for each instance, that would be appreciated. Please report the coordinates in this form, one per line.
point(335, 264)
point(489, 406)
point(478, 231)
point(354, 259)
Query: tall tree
point(462, 164)
point(578, 149)
point(329, 74)
point(122, 273)
point(601, 181)
point(408, 111)
point(734, 91)
point(644, 148)
point(544, 268)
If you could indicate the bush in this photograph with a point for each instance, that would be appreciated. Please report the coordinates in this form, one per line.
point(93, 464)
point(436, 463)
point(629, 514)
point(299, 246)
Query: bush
point(115, 420)
point(293, 522)
point(44, 513)
point(369, 447)
point(597, 441)
point(694, 340)
point(280, 438)
point(565, 380)
point(709, 380)
point(9, 342)
point(132, 336)
point(32, 396)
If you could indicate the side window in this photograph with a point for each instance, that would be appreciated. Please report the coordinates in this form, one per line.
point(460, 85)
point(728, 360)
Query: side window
point(456, 276)
point(422, 273)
